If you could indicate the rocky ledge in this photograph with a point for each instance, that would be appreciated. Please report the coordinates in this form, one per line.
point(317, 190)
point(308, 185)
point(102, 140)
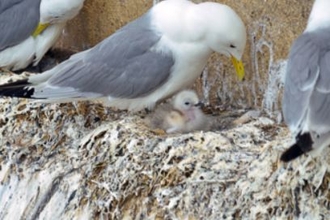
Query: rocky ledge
point(85, 161)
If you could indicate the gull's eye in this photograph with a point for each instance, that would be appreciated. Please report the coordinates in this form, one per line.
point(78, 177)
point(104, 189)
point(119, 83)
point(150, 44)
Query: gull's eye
point(232, 46)
point(187, 103)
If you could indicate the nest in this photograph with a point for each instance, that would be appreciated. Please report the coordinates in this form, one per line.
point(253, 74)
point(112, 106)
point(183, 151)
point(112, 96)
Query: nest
point(85, 161)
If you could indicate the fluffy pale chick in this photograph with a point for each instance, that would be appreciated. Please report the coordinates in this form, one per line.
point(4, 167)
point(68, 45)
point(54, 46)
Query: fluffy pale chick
point(29, 28)
point(149, 59)
point(306, 101)
point(181, 116)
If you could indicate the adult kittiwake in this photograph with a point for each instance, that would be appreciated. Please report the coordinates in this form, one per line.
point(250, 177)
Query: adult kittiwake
point(306, 101)
point(29, 28)
point(149, 59)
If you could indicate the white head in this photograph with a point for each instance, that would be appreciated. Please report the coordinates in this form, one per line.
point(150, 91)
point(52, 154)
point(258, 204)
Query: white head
point(208, 26)
point(320, 15)
point(225, 31)
point(214, 24)
point(185, 101)
point(55, 11)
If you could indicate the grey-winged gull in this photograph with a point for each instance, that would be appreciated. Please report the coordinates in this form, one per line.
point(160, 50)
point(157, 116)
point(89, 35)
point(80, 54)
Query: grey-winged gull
point(149, 59)
point(30, 27)
point(306, 100)
point(182, 115)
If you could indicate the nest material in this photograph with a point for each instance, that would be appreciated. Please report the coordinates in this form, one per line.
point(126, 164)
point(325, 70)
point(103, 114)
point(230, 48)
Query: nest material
point(85, 161)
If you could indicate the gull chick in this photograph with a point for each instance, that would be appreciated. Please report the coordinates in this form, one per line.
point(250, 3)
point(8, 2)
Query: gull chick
point(144, 62)
point(306, 99)
point(181, 116)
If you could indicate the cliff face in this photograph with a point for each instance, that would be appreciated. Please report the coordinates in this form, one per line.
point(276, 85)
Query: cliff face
point(271, 25)
point(85, 161)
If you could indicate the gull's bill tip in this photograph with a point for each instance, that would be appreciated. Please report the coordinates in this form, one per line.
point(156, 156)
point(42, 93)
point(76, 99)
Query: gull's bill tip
point(39, 29)
point(239, 68)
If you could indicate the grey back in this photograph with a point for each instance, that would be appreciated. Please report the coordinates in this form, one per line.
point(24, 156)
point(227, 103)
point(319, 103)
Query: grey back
point(122, 66)
point(18, 20)
point(307, 82)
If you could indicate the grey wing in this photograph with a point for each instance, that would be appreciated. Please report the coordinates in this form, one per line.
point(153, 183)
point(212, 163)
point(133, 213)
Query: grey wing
point(320, 99)
point(301, 75)
point(18, 20)
point(122, 66)
point(5, 4)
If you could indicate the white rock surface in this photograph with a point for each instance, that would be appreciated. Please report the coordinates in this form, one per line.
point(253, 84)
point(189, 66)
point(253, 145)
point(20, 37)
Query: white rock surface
point(84, 161)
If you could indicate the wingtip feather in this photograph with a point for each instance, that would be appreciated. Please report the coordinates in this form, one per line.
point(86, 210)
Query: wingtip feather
point(18, 89)
point(304, 144)
point(292, 153)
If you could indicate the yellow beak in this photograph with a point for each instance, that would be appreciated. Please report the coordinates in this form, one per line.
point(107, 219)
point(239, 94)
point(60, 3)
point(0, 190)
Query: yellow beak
point(39, 29)
point(238, 67)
